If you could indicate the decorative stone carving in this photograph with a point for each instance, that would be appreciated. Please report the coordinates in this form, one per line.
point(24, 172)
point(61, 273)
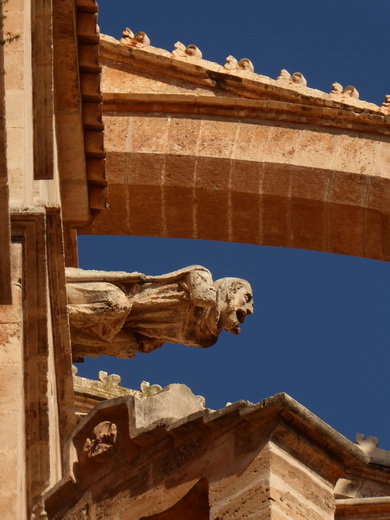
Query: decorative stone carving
point(243, 64)
point(366, 443)
point(246, 64)
point(149, 390)
point(337, 89)
point(284, 75)
point(386, 102)
point(181, 51)
point(350, 91)
point(134, 40)
point(101, 444)
point(370, 446)
point(231, 63)
point(112, 380)
point(120, 314)
point(299, 79)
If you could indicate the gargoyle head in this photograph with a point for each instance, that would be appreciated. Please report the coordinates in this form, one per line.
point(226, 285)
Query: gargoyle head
point(234, 303)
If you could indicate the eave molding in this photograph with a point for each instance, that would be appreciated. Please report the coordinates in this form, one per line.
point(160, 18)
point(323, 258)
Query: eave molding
point(350, 118)
point(219, 80)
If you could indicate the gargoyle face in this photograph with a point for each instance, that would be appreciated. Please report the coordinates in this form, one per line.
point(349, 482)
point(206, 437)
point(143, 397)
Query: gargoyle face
point(242, 305)
point(237, 306)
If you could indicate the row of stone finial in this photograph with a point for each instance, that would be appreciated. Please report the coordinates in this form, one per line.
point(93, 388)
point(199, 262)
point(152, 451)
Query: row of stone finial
point(112, 381)
point(140, 39)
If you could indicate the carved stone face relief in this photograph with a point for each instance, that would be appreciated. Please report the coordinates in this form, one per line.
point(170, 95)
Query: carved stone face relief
point(235, 303)
point(102, 442)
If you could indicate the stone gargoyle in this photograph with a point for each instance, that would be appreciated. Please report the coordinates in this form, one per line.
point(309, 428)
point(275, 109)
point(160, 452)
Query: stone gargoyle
point(119, 314)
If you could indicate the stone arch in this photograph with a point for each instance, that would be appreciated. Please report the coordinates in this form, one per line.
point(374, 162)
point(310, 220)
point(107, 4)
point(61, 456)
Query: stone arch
point(247, 180)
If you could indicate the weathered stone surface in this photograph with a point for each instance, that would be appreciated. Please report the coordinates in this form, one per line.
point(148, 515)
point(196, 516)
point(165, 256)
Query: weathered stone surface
point(188, 161)
point(191, 153)
point(193, 506)
point(152, 403)
point(12, 435)
point(270, 460)
point(119, 314)
point(363, 509)
point(102, 442)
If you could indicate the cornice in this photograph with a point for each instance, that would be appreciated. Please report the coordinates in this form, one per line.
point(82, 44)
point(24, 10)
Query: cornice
point(234, 93)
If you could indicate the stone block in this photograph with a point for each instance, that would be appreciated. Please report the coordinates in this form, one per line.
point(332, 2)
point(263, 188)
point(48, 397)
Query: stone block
point(382, 159)
point(315, 149)
point(377, 227)
point(281, 145)
point(308, 225)
point(15, 149)
point(355, 155)
point(309, 184)
point(145, 169)
point(246, 176)
point(14, 102)
point(12, 313)
point(145, 207)
point(179, 211)
point(348, 189)
point(252, 141)
point(15, 5)
point(212, 173)
point(118, 200)
point(217, 138)
point(171, 403)
point(345, 225)
point(379, 195)
point(212, 206)
point(10, 346)
point(149, 134)
point(179, 170)
point(183, 136)
point(274, 217)
point(14, 24)
point(245, 217)
point(276, 181)
point(118, 131)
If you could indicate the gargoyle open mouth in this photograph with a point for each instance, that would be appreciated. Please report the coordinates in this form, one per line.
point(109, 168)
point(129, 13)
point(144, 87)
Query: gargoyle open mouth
point(241, 315)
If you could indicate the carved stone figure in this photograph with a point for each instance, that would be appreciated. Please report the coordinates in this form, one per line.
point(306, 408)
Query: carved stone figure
point(246, 64)
point(140, 39)
point(120, 314)
point(299, 79)
point(102, 441)
point(243, 64)
point(337, 89)
point(181, 51)
point(386, 102)
point(284, 75)
point(350, 91)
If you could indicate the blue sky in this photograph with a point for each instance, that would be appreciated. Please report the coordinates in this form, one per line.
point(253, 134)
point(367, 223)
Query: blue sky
point(321, 330)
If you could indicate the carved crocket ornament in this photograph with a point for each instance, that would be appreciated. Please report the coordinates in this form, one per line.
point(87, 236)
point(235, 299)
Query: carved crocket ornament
point(120, 314)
